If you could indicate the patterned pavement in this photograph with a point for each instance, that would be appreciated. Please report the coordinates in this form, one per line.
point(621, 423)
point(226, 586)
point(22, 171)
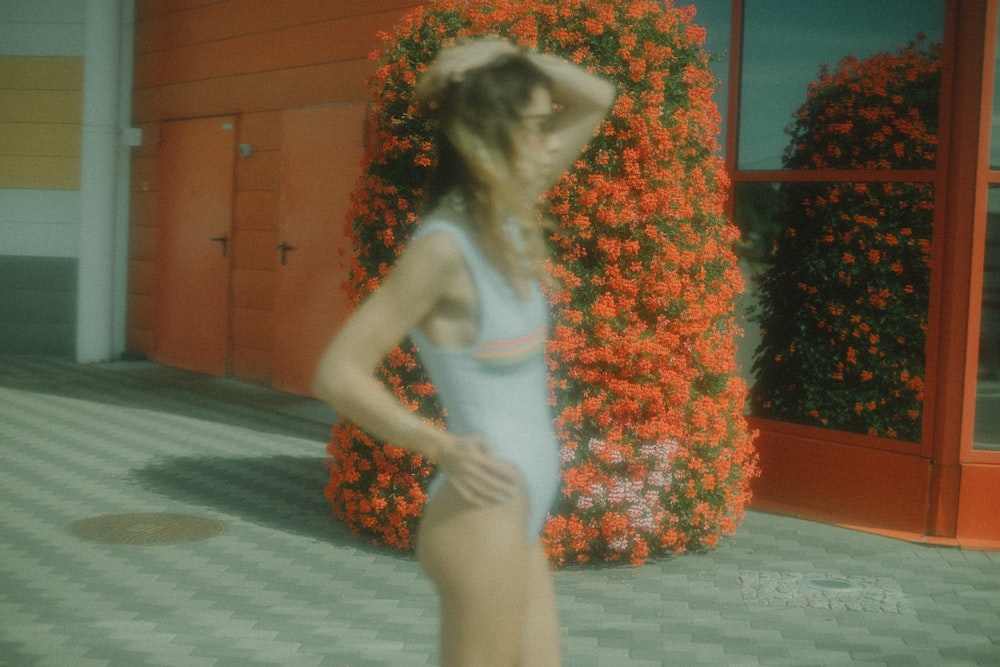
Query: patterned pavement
point(285, 584)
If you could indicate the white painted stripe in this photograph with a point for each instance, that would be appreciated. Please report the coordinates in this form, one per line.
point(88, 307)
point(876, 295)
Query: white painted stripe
point(41, 27)
point(39, 223)
point(38, 39)
point(42, 11)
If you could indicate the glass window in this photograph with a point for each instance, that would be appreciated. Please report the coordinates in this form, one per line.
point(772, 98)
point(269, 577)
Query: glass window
point(986, 431)
point(757, 214)
point(714, 16)
point(986, 434)
point(786, 45)
point(995, 125)
point(837, 306)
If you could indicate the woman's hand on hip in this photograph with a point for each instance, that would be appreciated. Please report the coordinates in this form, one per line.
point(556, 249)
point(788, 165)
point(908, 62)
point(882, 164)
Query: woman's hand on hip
point(476, 474)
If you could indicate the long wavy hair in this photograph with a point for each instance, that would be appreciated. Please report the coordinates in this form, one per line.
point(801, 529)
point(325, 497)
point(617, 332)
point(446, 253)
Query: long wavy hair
point(477, 119)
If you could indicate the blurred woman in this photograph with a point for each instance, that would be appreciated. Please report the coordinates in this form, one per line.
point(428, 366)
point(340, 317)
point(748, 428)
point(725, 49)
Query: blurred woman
point(467, 290)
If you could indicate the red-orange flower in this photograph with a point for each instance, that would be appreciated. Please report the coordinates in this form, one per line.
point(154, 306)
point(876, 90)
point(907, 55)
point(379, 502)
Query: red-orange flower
point(656, 454)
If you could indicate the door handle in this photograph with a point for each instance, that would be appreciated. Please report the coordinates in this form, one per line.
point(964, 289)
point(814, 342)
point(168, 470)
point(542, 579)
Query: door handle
point(224, 240)
point(283, 249)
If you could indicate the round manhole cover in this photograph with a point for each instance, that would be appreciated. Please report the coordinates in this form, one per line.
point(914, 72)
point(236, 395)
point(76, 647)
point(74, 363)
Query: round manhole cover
point(146, 529)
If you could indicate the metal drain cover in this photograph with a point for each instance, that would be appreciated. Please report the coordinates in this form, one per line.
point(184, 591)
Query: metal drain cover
point(834, 585)
point(146, 529)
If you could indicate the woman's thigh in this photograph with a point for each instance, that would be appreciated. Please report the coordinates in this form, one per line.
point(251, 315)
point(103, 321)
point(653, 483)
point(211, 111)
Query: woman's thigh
point(478, 559)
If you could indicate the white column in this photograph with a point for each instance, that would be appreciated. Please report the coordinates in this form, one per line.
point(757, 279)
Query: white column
point(98, 180)
point(127, 140)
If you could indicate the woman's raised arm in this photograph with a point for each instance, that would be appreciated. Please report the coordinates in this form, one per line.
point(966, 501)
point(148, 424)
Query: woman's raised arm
point(583, 100)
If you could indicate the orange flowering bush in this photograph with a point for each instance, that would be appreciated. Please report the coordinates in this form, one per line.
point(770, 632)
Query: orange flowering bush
point(844, 307)
point(656, 454)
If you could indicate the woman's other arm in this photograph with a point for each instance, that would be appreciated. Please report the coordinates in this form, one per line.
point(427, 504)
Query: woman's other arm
point(345, 376)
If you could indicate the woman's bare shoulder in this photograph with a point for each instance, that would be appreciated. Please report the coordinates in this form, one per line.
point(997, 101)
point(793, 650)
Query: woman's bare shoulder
point(432, 257)
point(440, 235)
point(438, 246)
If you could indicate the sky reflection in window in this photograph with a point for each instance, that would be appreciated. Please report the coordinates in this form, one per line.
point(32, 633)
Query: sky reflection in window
point(786, 41)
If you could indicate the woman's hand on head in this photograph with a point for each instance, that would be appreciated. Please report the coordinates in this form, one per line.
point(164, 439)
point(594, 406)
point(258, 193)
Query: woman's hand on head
point(475, 473)
point(451, 63)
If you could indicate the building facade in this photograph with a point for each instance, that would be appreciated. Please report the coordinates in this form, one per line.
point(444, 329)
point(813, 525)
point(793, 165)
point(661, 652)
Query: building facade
point(65, 85)
point(219, 246)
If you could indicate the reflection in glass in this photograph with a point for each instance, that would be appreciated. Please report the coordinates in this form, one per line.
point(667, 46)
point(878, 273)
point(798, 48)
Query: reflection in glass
point(987, 426)
point(842, 303)
point(879, 113)
point(714, 16)
point(757, 215)
point(787, 42)
point(995, 125)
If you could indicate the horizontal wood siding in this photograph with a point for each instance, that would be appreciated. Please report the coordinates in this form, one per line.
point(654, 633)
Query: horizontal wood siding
point(252, 58)
point(197, 22)
point(41, 106)
point(41, 103)
point(40, 223)
point(38, 305)
point(260, 91)
point(42, 27)
point(299, 46)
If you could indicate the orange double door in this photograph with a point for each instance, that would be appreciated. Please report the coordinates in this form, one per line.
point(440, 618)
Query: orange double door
point(321, 151)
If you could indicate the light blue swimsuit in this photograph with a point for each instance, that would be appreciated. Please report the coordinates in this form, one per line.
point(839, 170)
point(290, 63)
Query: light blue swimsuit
point(497, 387)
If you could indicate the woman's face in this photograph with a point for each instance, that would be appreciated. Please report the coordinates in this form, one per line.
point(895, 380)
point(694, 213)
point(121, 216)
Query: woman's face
point(536, 145)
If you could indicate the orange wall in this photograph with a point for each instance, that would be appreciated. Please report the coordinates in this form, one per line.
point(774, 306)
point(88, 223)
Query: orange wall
point(254, 59)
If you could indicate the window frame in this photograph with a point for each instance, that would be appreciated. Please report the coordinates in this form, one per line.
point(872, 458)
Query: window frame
point(937, 176)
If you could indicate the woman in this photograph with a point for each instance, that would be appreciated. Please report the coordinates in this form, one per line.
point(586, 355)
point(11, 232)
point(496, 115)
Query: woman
point(466, 289)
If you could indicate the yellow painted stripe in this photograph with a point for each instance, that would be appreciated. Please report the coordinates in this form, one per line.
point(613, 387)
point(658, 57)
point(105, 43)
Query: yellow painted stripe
point(23, 73)
point(39, 173)
point(41, 107)
point(39, 140)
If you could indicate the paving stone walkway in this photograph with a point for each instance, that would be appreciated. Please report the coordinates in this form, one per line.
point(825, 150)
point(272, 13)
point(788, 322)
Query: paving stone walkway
point(281, 583)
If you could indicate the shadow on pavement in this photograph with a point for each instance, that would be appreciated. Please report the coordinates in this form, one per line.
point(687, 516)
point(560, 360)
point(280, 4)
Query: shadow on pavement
point(283, 493)
point(149, 386)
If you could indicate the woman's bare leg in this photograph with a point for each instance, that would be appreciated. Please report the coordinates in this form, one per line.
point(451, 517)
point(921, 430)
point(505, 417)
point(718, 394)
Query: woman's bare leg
point(479, 559)
point(540, 640)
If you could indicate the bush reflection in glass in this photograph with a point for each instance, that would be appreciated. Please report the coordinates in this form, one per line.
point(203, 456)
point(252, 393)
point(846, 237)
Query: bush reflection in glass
point(843, 303)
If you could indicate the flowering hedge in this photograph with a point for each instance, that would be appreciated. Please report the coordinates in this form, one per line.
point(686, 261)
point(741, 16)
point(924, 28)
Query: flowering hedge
point(844, 307)
point(656, 454)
